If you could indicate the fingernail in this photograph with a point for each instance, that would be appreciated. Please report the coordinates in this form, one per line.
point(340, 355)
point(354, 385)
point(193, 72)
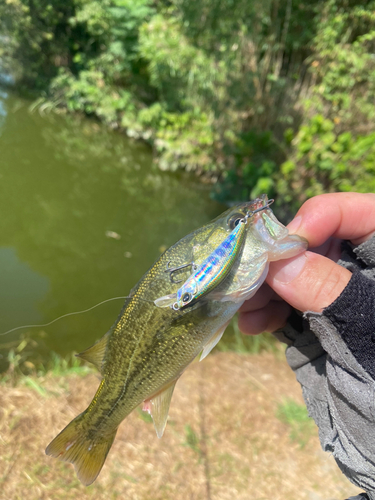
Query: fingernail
point(295, 224)
point(285, 271)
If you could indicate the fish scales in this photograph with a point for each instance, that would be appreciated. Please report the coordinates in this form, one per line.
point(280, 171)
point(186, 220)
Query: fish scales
point(136, 358)
point(148, 347)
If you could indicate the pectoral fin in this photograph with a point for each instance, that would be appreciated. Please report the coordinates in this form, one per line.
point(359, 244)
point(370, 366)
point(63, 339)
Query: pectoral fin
point(158, 407)
point(213, 341)
point(166, 300)
point(95, 353)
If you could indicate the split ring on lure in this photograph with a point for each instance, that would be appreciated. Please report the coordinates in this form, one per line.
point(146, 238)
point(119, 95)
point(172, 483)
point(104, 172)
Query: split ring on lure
point(213, 270)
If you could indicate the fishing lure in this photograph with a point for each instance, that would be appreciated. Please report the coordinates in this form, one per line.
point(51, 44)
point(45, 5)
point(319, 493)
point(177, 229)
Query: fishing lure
point(213, 270)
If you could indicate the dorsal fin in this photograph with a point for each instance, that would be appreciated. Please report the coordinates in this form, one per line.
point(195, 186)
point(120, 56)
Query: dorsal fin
point(95, 353)
point(158, 407)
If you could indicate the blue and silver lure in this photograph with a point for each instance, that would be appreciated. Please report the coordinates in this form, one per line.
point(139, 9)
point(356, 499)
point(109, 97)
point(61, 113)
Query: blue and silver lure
point(213, 269)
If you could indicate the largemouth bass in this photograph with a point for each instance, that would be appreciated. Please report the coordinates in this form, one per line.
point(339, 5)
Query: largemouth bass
point(144, 353)
point(213, 270)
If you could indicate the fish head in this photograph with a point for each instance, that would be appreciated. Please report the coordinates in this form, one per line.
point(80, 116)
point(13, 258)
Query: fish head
point(275, 236)
point(249, 212)
point(267, 239)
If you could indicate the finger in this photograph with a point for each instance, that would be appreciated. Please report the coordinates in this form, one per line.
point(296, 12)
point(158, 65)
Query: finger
point(308, 282)
point(331, 249)
point(268, 319)
point(349, 216)
point(260, 299)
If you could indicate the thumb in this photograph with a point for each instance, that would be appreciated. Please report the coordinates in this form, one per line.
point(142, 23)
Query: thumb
point(308, 282)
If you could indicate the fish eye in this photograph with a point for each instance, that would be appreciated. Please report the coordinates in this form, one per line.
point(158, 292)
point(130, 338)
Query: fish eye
point(186, 297)
point(234, 220)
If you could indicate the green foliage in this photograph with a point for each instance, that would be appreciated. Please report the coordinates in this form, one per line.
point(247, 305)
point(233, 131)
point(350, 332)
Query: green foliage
point(325, 160)
point(343, 64)
point(333, 149)
point(297, 418)
point(37, 35)
point(90, 94)
point(218, 87)
point(191, 78)
point(256, 155)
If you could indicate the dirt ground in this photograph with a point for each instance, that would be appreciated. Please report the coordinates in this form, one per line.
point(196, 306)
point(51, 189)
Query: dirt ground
point(223, 440)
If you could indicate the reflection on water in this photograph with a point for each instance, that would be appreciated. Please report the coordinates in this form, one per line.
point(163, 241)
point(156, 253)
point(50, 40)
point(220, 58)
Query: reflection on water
point(66, 185)
point(19, 285)
point(3, 111)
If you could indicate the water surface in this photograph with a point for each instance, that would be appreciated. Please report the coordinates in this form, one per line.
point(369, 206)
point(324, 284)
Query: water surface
point(84, 214)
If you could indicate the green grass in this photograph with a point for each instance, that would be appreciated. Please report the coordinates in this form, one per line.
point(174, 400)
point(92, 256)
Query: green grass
point(21, 368)
point(33, 383)
point(59, 365)
point(233, 340)
point(296, 417)
point(192, 439)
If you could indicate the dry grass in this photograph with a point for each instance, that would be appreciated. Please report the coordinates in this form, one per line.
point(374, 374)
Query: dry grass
point(223, 441)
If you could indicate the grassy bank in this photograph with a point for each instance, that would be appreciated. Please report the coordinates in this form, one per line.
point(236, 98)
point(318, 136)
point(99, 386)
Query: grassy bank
point(237, 429)
point(31, 354)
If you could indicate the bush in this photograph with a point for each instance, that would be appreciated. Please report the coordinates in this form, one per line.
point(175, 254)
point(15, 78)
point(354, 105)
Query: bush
point(218, 87)
point(333, 149)
point(325, 160)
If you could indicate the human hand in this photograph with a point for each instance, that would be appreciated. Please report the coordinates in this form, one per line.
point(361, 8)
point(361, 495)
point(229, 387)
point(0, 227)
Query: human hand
point(312, 280)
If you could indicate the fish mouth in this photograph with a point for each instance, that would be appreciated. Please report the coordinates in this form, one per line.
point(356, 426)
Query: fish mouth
point(257, 205)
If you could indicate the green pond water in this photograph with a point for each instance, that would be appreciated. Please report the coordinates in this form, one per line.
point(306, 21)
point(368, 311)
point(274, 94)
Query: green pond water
point(83, 214)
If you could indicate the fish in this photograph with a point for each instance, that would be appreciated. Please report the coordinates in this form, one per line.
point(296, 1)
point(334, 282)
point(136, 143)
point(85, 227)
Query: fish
point(147, 349)
point(213, 269)
point(210, 274)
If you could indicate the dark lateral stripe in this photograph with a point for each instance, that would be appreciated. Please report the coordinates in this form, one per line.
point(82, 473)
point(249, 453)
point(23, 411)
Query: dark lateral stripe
point(353, 315)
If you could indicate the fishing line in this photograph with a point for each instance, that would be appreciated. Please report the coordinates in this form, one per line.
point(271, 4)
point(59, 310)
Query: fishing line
point(108, 300)
point(66, 315)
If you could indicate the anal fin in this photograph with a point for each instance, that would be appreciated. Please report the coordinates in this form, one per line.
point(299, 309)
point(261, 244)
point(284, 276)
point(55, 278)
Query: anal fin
point(95, 353)
point(213, 341)
point(158, 407)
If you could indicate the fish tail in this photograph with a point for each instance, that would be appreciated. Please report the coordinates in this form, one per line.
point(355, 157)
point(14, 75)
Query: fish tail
point(85, 451)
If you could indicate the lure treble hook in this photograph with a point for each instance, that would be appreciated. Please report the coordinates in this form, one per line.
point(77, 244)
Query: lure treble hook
point(267, 205)
point(172, 270)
